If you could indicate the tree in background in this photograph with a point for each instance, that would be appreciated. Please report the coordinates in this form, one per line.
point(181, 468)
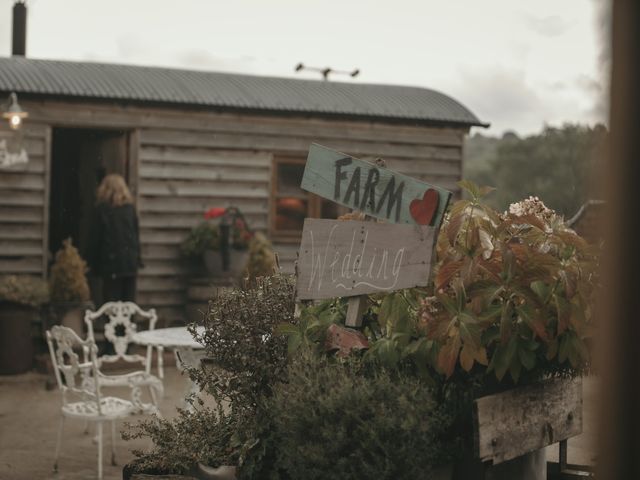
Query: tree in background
point(556, 165)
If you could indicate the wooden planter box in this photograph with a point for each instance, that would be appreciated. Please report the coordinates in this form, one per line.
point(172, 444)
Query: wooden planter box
point(510, 427)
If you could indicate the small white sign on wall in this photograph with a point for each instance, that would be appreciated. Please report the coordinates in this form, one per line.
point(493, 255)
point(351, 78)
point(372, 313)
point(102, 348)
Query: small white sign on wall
point(9, 159)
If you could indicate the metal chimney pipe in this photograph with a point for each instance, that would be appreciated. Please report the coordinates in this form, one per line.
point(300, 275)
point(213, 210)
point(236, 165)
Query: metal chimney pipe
point(19, 43)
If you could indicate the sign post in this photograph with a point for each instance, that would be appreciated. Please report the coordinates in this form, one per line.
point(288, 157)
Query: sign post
point(353, 258)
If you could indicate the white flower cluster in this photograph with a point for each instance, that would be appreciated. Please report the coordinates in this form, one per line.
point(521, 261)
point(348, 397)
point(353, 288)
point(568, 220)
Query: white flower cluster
point(532, 206)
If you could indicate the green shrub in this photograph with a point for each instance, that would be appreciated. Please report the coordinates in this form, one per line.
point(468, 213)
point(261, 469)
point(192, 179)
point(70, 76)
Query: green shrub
point(207, 235)
point(204, 435)
point(204, 236)
point(333, 420)
point(68, 283)
point(24, 290)
point(247, 358)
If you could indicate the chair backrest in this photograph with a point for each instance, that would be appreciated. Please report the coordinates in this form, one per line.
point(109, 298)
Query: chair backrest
point(74, 376)
point(119, 330)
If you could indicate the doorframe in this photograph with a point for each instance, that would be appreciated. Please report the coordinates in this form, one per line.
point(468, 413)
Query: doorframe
point(132, 170)
point(48, 145)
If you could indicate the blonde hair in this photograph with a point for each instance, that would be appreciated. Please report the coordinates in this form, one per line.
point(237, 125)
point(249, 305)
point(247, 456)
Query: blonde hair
point(113, 191)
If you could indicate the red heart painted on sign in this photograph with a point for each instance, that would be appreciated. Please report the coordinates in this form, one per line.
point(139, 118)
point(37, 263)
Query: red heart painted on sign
point(423, 210)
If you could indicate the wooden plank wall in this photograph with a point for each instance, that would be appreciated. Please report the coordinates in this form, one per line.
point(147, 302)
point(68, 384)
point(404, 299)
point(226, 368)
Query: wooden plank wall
point(24, 192)
point(192, 160)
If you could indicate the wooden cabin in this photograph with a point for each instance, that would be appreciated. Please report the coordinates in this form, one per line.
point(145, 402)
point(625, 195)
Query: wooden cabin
point(190, 140)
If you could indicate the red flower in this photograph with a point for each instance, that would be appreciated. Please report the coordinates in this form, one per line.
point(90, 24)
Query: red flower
point(214, 212)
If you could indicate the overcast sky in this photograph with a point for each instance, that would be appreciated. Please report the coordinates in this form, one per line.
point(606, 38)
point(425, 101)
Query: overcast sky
point(515, 63)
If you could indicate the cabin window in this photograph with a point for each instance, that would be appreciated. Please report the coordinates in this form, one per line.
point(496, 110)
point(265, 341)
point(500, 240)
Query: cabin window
point(290, 205)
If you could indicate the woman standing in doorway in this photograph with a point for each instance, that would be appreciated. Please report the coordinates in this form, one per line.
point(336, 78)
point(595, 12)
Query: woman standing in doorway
point(114, 245)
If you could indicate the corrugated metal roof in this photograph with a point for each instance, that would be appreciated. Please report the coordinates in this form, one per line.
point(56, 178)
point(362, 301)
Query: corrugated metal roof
point(130, 83)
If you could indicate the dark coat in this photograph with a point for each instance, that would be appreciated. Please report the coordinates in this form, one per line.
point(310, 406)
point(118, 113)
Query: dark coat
point(114, 244)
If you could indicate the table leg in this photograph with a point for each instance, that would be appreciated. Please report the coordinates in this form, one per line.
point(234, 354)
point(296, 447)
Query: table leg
point(187, 357)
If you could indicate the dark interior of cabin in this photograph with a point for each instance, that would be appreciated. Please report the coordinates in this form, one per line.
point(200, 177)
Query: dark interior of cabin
point(80, 158)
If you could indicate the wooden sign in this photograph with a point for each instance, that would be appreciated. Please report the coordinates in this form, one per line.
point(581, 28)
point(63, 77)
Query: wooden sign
point(376, 191)
point(9, 158)
point(347, 258)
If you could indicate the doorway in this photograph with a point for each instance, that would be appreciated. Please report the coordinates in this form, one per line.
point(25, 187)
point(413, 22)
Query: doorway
point(80, 158)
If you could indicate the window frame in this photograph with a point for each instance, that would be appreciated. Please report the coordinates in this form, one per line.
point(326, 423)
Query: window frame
point(314, 208)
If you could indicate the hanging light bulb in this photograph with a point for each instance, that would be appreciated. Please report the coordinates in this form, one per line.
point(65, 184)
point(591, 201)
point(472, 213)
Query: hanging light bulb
point(14, 113)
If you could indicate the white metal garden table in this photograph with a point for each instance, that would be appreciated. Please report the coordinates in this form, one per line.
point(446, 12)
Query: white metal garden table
point(187, 350)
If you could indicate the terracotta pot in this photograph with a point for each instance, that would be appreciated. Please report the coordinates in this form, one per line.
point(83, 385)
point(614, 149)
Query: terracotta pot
point(16, 345)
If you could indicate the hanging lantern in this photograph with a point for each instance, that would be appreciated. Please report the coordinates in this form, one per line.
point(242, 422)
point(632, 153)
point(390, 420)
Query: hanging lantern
point(14, 114)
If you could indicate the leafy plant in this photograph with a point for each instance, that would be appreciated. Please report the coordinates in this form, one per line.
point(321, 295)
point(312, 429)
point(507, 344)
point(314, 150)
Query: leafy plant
point(24, 290)
point(246, 356)
point(210, 236)
point(204, 435)
point(68, 283)
point(513, 291)
point(244, 360)
point(335, 419)
point(202, 237)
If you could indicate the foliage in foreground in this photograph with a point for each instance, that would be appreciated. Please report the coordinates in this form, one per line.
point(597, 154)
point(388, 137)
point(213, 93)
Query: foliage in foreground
point(245, 358)
point(204, 435)
point(335, 419)
point(510, 302)
point(512, 293)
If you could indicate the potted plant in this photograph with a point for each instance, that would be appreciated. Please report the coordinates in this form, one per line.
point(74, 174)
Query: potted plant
point(222, 247)
point(21, 299)
point(69, 288)
point(245, 357)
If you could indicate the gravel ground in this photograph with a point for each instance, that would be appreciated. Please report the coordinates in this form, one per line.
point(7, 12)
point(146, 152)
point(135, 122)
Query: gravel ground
point(29, 418)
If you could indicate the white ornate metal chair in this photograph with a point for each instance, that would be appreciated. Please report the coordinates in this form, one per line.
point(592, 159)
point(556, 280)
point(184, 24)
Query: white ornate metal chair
point(119, 330)
point(80, 382)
